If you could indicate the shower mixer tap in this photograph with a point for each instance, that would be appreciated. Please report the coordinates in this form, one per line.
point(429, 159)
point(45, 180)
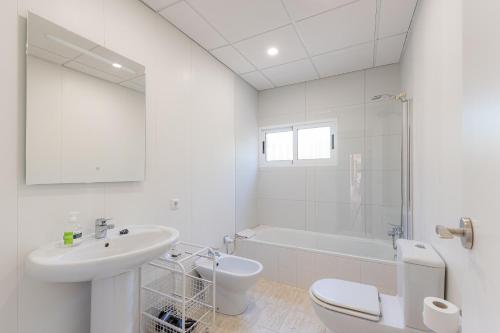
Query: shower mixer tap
point(396, 232)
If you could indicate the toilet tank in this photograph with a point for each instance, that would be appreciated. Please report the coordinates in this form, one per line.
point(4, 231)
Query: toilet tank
point(421, 273)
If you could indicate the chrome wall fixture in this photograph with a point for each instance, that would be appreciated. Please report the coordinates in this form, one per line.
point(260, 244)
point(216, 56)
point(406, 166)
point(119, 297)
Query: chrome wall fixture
point(465, 232)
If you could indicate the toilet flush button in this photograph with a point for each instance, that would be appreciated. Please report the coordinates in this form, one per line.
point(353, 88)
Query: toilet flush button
point(174, 204)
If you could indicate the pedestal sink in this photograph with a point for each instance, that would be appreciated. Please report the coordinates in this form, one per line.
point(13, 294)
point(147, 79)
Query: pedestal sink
point(111, 264)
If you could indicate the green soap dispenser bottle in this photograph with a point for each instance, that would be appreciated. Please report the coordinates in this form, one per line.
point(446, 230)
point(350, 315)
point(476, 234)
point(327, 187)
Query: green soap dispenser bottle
point(73, 234)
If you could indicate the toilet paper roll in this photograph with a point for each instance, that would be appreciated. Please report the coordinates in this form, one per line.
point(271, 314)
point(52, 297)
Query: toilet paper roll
point(440, 315)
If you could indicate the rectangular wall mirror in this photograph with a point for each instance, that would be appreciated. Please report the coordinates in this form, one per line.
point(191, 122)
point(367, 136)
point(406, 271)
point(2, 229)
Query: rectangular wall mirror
point(86, 110)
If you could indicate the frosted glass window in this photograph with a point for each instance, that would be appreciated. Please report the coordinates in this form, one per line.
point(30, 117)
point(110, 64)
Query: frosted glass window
point(314, 143)
point(279, 146)
point(300, 144)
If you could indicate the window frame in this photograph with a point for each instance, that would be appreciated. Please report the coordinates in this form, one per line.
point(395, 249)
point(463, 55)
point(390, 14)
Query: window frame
point(295, 127)
point(262, 146)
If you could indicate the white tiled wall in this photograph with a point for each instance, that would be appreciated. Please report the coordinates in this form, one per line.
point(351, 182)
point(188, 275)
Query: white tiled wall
point(185, 157)
point(361, 194)
point(8, 169)
point(450, 71)
point(300, 268)
point(246, 156)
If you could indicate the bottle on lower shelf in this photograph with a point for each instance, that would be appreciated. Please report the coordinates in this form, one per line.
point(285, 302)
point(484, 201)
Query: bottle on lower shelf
point(168, 315)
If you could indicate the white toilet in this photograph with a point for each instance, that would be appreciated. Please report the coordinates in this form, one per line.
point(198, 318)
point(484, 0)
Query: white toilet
point(234, 277)
point(345, 306)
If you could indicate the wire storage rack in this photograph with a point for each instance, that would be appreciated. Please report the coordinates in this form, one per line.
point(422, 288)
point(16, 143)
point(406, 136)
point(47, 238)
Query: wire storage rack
point(174, 297)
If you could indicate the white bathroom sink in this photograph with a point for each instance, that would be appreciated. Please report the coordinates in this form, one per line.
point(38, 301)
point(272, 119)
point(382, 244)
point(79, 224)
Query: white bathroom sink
point(100, 258)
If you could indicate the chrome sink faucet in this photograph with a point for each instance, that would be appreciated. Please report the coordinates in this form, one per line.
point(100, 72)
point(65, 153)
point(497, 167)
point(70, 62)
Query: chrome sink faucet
point(101, 227)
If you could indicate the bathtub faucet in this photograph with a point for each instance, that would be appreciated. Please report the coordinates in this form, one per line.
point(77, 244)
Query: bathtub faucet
point(396, 233)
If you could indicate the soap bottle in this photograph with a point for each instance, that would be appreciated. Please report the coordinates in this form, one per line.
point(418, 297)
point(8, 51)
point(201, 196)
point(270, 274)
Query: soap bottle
point(75, 228)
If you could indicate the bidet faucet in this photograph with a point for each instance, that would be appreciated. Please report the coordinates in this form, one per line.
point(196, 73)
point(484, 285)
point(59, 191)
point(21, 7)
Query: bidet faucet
point(214, 253)
point(102, 226)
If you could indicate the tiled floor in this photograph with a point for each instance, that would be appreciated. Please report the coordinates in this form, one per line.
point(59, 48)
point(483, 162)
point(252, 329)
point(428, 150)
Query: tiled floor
point(274, 308)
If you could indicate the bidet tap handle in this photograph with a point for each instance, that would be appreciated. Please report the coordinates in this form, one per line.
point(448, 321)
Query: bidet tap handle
point(214, 252)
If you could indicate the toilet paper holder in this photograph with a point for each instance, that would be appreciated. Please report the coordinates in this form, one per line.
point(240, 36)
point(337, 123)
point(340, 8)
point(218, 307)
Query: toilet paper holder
point(465, 232)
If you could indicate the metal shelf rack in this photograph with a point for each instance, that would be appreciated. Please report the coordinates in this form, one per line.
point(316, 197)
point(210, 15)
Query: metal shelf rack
point(172, 288)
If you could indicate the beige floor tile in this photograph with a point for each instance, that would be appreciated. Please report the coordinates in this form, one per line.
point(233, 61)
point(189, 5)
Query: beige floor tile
point(274, 315)
point(300, 322)
point(259, 329)
point(274, 308)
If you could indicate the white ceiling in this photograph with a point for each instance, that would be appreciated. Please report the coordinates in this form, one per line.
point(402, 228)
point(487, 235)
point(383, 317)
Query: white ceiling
point(315, 38)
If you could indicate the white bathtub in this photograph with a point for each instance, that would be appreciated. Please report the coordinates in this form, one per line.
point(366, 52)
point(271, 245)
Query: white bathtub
point(299, 257)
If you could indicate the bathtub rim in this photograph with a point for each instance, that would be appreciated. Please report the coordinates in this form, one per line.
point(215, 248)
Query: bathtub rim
point(318, 251)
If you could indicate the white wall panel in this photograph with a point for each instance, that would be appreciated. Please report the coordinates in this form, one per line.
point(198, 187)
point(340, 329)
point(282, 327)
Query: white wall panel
point(450, 70)
point(335, 91)
point(9, 171)
point(190, 154)
point(366, 180)
point(282, 101)
point(481, 186)
point(246, 151)
point(432, 76)
point(212, 149)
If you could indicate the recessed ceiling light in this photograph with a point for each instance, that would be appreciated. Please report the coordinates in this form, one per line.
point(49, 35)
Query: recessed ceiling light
point(272, 51)
point(116, 65)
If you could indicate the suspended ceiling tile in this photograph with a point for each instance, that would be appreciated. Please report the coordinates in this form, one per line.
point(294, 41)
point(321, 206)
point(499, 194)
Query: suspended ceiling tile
point(347, 60)
point(234, 60)
point(349, 25)
point(102, 59)
point(335, 34)
point(193, 25)
point(389, 50)
point(93, 72)
point(284, 39)
point(257, 80)
point(50, 37)
point(46, 55)
point(158, 5)
point(134, 86)
point(395, 16)
point(300, 9)
point(138, 83)
point(239, 19)
point(298, 71)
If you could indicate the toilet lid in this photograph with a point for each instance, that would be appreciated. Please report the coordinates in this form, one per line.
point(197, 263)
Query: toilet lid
point(349, 295)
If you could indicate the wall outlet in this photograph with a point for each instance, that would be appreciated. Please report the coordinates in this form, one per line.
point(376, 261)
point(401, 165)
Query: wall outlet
point(174, 204)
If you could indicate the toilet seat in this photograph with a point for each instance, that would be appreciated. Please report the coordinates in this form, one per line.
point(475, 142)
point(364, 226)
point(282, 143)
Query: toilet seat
point(352, 298)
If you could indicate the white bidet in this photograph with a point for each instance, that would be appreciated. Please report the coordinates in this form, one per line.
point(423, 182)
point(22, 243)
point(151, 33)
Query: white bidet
point(234, 277)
